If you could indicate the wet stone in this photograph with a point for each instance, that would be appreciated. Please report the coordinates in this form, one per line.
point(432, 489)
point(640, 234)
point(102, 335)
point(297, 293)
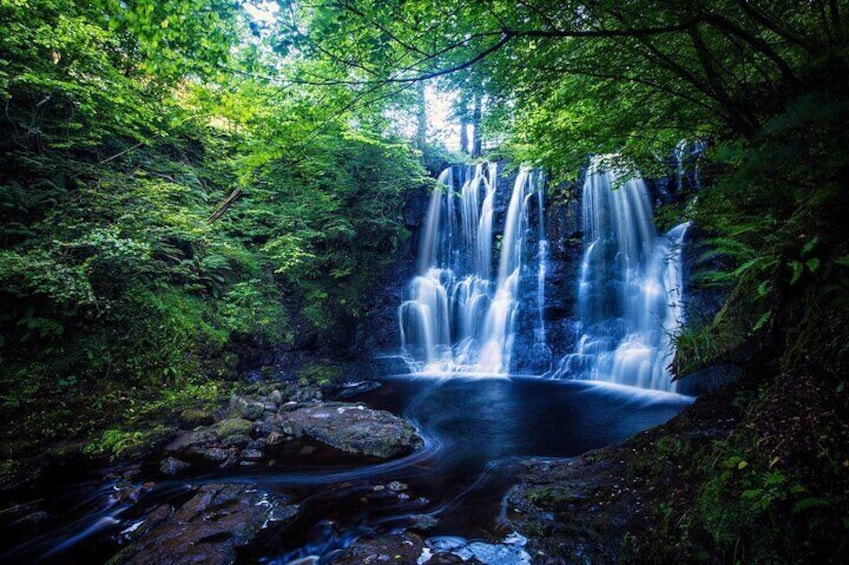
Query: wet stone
point(172, 466)
point(216, 454)
point(233, 427)
point(260, 444)
point(294, 429)
point(191, 418)
point(271, 425)
point(191, 439)
point(276, 397)
point(405, 547)
point(206, 529)
point(274, 438)
point(356, 429)
point(252, 454)
point(238, 440)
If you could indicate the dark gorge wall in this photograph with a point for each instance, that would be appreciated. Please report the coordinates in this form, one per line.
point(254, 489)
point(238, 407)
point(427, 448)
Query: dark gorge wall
point(376, 342)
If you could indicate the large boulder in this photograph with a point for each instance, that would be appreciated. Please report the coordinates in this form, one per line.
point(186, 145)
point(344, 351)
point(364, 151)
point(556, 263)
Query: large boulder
point(356, 429)
point(192, 418)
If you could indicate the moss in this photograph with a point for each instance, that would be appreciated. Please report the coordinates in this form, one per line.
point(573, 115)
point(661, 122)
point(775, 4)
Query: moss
point(321, 373)
point(233, 427)
point(551, 497)
point(767, 493)
point(537, 529)
point(193, 417)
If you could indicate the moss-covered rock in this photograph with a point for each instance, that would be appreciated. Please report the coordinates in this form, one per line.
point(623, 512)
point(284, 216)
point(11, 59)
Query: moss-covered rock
point(191, 418)
point(232, 427)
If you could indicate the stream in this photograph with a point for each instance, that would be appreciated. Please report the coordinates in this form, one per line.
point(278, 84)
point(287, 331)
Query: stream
point(476, 429)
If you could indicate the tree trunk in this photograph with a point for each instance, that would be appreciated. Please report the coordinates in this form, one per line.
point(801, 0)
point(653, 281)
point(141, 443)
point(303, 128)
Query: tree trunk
point(476, 124)
point(421, 117)
point(464, 135)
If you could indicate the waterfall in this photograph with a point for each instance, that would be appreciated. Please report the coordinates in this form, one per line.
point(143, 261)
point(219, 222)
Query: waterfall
point(458, 316)
point(481, 277)
point(630, 290)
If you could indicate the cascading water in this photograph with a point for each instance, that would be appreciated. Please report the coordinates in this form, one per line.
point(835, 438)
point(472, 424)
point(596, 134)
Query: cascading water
point(630, 292)
point(459, 318)
point(686, 156)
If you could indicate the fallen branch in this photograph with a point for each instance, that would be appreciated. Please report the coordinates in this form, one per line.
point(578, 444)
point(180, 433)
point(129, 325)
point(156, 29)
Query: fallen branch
point(224, 205)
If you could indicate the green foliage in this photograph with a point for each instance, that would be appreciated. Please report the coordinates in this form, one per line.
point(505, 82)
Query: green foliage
point(744, 503)
point(116, 443)
point(126, 125)
point(781, 245)
point(251, 308)
point(148, 421)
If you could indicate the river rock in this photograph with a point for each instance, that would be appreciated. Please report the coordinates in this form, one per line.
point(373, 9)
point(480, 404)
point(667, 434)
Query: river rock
point(172, 466)
point(233, 427)
point(143, 527)
point(275, 396)
point(347, 390)
point(383, 365)
point(306, 394)
point(215, 454)
point(270, 423)
point(191, 418)
point(246, 408)
point(396, 486)
point(274, 438)
point(403, 547)
point(237, 440)
point(293, 428)
point(189, 440)
point(356, 429)
point(208, 528)
point(252, 454)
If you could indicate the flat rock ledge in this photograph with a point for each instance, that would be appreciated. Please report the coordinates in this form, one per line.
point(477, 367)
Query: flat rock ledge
point(206, 529)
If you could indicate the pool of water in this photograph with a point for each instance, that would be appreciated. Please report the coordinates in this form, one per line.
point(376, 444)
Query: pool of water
point(476, 429)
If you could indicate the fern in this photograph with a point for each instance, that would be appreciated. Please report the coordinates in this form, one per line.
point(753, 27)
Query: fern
point(809, 503)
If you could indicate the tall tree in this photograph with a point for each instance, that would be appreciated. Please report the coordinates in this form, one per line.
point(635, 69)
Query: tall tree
point(477, 112)
point(421, 116)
